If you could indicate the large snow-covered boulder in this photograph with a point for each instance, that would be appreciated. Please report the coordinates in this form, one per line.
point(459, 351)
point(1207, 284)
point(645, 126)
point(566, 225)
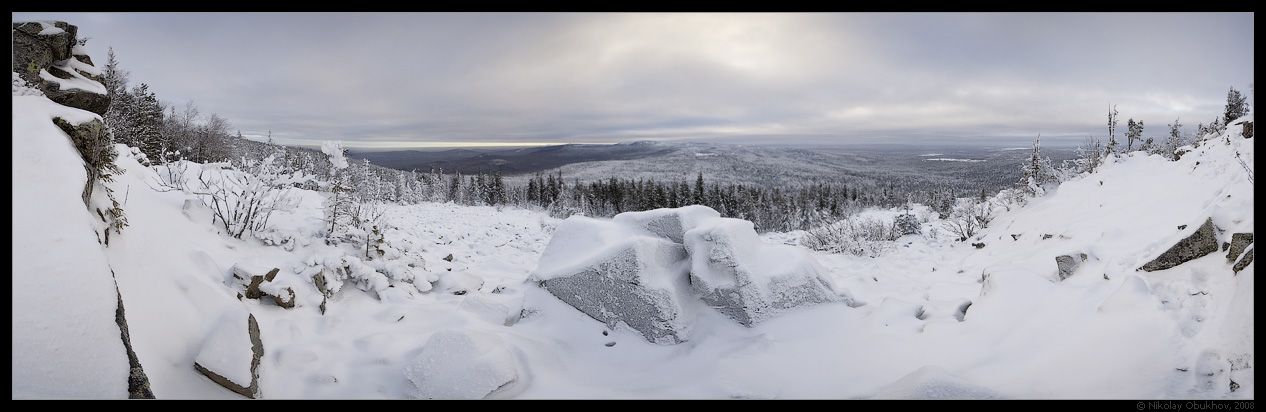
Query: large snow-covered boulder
point(463, 364)
point(748, 280)
point(649, 270)
point(619, 273)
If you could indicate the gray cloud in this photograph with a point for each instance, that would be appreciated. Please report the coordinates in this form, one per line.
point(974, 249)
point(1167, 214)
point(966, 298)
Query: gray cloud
point(582, 77)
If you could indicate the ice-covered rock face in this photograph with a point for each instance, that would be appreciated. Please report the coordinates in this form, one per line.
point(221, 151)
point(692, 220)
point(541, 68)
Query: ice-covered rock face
point(616, 273)
point(749, 280)
point(651, 269)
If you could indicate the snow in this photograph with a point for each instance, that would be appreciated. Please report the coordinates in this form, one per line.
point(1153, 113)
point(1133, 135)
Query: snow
point(457, 364)
point(65, 340)
point(227, 351)
point(931, 317)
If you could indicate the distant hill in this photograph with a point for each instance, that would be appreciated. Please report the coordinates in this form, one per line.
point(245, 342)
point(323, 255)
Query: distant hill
point(510, 161)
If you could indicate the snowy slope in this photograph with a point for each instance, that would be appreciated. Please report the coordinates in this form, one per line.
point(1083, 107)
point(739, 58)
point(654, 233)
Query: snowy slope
point(1106, 332)
point(65, 340)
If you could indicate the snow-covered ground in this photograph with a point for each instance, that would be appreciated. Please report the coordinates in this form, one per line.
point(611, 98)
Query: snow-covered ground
point(1108, 331)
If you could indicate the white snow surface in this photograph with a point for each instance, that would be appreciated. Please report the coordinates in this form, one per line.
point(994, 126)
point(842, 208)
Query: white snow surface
point(227, 350)
point(66, 344)
point(1108, 331)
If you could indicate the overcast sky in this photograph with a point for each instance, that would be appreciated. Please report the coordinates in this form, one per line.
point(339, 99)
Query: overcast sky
point(419, 78)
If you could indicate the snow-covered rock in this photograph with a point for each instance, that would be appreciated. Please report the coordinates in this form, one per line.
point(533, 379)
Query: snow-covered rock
point(619, 273)
point(670, 224)
point(1068, 264)
point(463, 364)
point(931, 382)
point(647, 269)
point(231, 354)
point(749, 280)
point(1204, 241)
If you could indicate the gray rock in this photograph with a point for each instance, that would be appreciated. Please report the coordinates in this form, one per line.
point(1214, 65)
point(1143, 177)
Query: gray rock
point(34, 52)
point(137, 383)
point(1239, 242)
point(1244, 261)
point(1203, 242)
point(1068, 264)
point(256, 288)
point(640, 285)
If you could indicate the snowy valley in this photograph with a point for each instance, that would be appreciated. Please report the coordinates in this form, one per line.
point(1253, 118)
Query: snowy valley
point(1046, 299)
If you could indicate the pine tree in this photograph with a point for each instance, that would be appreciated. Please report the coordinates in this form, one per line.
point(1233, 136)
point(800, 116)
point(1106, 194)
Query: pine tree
point(1236, 107)
point(698, 198)
point(1134, 131)
point(1037, 171)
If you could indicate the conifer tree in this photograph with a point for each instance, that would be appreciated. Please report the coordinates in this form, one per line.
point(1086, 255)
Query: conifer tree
point(1236, 107)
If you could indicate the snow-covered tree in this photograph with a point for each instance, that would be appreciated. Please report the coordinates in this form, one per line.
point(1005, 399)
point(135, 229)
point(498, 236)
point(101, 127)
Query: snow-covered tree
point(1037, 171)
point(1176, 139)
point(1134, 132)
point(338, 208)
point(1089, 156)
point(1236, 106)
point(1112, 148)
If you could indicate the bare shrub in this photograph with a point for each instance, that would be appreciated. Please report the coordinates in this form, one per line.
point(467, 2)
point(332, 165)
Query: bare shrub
point(855, 236)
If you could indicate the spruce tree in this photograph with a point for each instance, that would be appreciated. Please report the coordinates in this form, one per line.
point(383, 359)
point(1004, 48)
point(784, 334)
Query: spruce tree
point(1236, 107)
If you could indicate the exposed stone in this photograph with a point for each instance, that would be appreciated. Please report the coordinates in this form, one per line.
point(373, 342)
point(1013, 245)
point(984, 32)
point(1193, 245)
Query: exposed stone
point(1203, 242)
point(1239, 242)
point(137, 382)
point(85, 136)
point(260, 286)
point(1068, 264)
point(1244, 261)
point(36, 49)
point(1248, 130)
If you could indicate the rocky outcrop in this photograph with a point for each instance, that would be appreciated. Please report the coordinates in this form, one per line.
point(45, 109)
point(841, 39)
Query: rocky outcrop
point(46, 55)
point(1203, 242)
point(231, 355)
point(137, 382)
